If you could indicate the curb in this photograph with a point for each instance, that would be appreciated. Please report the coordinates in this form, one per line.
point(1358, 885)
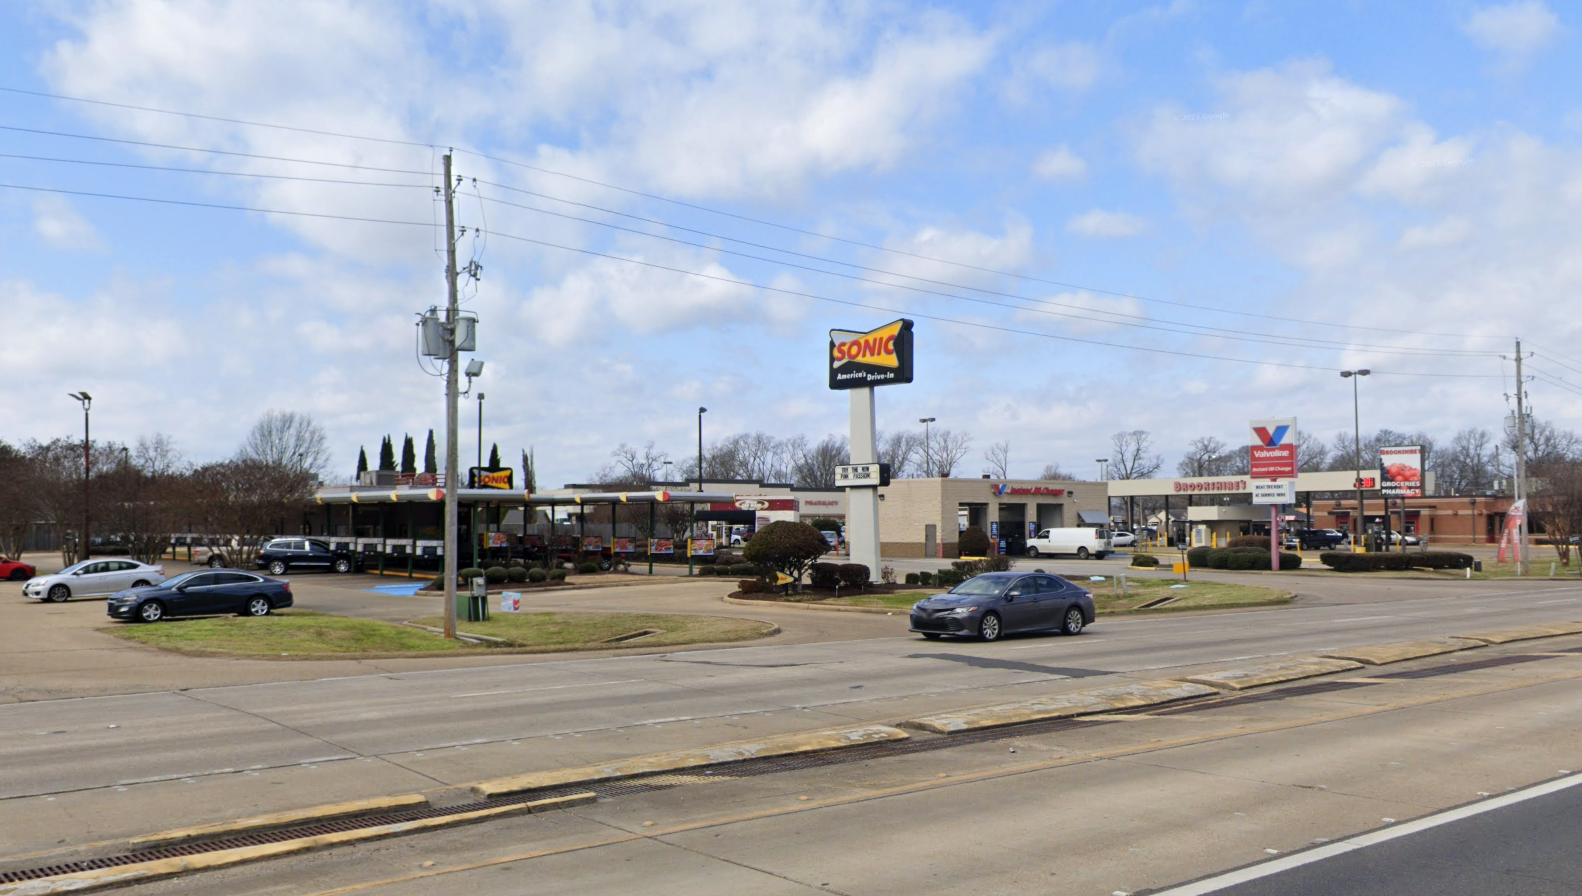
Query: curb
point(779, 745)
point(257, 823)
point(1524, 633)
point(1064, 706)
point(1400, 651)
point(1244, 677)
point(159, 868)
point(809, 605)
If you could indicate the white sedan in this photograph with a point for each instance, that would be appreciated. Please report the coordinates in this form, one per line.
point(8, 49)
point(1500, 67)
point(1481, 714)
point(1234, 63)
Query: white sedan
point(93, 578)
point(1123, 539)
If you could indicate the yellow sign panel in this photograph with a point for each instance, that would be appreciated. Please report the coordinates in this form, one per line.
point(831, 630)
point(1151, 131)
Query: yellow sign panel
point(782, 579)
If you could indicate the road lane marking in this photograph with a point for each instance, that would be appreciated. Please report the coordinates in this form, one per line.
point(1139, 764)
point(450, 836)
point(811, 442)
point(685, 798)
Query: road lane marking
point(556, 687)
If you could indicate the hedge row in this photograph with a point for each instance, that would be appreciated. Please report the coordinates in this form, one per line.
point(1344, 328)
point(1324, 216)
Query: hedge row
point(830, 576)
point(1145, 561)
point(1239, 558)
point(1347, 562)
point(728, 569)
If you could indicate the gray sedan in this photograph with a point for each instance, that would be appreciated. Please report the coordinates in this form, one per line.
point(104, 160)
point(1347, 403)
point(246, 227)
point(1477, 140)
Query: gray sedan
point(994, 604)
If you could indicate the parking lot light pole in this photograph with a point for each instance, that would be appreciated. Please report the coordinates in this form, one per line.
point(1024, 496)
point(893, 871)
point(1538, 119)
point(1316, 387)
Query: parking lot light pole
point(87, 471)
point(692, 508)
point(928, 463)
point(1356, 427)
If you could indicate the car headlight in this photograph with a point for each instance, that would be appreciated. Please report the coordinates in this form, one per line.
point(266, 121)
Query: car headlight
point(960, 611)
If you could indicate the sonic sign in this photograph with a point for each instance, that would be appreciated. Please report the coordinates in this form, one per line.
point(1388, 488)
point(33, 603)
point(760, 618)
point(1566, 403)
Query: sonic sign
point(881, 357)
point(1273, 451)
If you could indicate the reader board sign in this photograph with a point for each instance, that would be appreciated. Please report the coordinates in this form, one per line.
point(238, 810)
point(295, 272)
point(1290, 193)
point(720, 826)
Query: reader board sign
point(881, 357)
point(1401, 471)
point(862, 475)
point(1283, 492)
point(1273, 449)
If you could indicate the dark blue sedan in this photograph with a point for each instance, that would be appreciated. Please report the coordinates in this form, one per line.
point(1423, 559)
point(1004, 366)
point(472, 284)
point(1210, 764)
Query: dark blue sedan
point(998, 603)
point(202, 594)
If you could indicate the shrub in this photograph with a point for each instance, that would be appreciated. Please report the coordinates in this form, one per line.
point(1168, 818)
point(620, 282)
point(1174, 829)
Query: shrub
point(1145, 561)
point(973, 542)
point(537, 574)
point(825, 524)
point(468, 574)
point(913, 578)
point(708, 570)
point(1199, 556)
point(786, 547)
point(1219, 559)
point(494, 575)
point(1249, 541)
point(557, 575)
point(516, 573)
point(1344, 562)
point(887, 575)
point(853, 575)
point(925, 578)
point(824, 575)
point(948, 577)
point(515, 564)
point(588, 567)
point(744, 569)
point(1245, 558)
point(754, 586)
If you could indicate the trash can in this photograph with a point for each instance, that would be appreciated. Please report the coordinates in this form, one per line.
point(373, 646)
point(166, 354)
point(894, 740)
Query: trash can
point(1477, 566)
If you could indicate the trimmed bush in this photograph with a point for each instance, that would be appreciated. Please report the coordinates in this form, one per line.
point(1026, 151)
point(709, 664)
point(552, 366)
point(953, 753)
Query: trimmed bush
point(824, 575)
point(853, 575)
point(516, 573)
point(588, 567)
point(537, 574)
point(913, 578)
point(515, 564)
point(1249, 541)
point(1245, 558)
point(924, 578)
point(754, 586)
point(468, 574)
point(1198, 557)
point(557, 575)
point(973, 542)
point(1219, 559)
point(1145, 561)
point(949, 577)
point(1345, 562)
point(786, 547)
point(495, 575)
point(708, 571)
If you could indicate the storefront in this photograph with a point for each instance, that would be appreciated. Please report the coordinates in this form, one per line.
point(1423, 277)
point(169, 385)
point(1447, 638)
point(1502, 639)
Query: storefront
point(924, 517)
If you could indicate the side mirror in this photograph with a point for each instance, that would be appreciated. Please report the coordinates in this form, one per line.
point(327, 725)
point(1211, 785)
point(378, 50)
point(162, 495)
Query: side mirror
point(1012, 594)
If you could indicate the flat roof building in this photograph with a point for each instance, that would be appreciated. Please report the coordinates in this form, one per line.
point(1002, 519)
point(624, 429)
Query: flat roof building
point(924, 517)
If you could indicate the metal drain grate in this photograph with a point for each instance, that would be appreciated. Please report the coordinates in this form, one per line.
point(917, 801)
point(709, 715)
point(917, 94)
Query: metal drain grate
point(1491, 663)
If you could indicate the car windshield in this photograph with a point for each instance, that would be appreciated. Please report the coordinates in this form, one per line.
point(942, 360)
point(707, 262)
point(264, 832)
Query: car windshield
point(75, 567)
point(982, 585)
point(172, 583)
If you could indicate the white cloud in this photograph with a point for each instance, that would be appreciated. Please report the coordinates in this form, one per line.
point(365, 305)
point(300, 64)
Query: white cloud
point(1451, 231)
point(1516, 31)
point(1059, 163)
point(1100, 223)
point(976, 256)
point(1070, 68)
point(58, 224)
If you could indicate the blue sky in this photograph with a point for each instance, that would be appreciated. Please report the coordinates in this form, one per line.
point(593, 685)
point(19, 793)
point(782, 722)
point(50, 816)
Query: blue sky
point(1393, 186)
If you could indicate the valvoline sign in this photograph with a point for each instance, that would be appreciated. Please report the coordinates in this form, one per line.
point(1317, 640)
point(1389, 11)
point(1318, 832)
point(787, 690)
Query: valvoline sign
point(1273, 449)
point(881, 357)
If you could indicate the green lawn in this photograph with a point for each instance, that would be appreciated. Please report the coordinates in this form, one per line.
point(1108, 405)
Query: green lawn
point(546, 632)
point(289, 633)
point(899, 601)
point(1197, 595)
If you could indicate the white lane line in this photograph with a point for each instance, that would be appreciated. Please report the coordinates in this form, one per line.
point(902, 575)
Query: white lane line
point(1351, 619)
point(1563, 600)
point(1350, 844)
point(556, 687)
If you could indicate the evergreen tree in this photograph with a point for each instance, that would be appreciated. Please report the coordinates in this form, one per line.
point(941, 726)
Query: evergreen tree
point(529, 477)
point(494, 457)
point(408, 457)
point(362, 461)
point(430, 465)
point(387, 455)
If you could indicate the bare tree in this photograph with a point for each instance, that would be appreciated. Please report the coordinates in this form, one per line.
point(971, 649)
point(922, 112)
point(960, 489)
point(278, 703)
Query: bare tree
point(1132, 457)
point(815, 466)
point(238, 504)
point(1469, 464)
point(1546, 443)
point(902, 451)
point(1053, 471)
point(945, 449)
point(1205, 456)
point(290, 440)
point(999, 458)
point(18, 501)
point(1312, 455)
point(1557, 503)
point(630, 466)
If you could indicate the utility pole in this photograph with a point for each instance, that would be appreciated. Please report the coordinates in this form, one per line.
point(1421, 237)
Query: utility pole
point(452, 389)
point(1521, 465)
point(84, 549)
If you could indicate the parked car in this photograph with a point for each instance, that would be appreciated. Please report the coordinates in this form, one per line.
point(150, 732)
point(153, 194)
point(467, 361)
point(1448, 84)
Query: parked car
point(1083, 541)
point(1311, 539)
point(998, 603)
point(283, 554)
point(214, 556)
point(16, 570)
point(93, 577)
point(1395, 538)
point(1122, 539)
point(202, 594)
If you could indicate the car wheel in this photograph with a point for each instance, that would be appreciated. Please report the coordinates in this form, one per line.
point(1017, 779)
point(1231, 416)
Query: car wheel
point(1072, 625)
point(1101, 555)
point(342, 565)
point(141, 583)
point(258, 606)
point(59, 594)
point(932, 636)
point(18, 575)
point(1032, 552)
point(604, 564)
point(153, 611)
point(216, 563)
point(1082, 553)
point(277, 567)
point(989, 628)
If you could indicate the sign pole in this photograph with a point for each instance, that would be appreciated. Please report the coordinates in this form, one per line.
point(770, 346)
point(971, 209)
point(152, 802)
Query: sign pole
point(1274, 537)
point(862, 503)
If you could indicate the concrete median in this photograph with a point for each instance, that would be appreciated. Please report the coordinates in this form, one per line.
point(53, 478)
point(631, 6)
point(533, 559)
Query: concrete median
point(274, 820)
point(1239, 678)
point(1525, 633)
point(1062, 706)
point(1400, 651)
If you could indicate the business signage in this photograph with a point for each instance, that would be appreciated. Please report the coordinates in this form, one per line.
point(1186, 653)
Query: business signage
point(486, 477)
point(701, 547)
point(754, 504)
point(1401, 471)
point(1273, 449)
point(881, 357)
point(1005, 488)
point(1282, 492)
point(592, 544)
point(862, 475)
point(661, 546)
point(1210, 485)
point(623, 545)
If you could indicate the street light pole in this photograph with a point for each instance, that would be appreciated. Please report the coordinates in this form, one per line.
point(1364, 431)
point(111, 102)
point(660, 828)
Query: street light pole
point(928, 460)
point(87, 471)
point(1356, 427)
point(692, 512)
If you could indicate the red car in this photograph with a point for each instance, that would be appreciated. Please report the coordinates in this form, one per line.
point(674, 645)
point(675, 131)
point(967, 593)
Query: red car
point(16, 570)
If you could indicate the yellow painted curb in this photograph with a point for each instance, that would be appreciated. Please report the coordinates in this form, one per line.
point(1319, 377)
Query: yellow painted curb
point(1243, 677)
point(279, 820)
point(1525, 632)
point(779, 745)
point(1399, 651)
point(143, 871)
point(1061, 706)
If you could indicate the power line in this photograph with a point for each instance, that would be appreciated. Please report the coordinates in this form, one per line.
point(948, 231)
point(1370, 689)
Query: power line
point(216, 205)
point(1133, 320)
point(1550, 356)
point(1559, 384)
point(221, 152)
point(316, 180)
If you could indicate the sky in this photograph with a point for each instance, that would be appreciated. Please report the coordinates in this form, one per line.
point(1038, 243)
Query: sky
point(1171, 217)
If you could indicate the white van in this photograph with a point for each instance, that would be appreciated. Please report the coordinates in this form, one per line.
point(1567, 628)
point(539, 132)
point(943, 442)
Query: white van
point(1084, 541)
